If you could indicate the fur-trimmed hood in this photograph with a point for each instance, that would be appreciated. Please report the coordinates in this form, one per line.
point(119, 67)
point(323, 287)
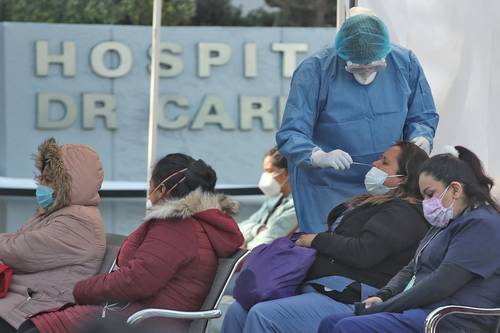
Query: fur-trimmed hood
point(75, 172)
point(192, 204)
point(211, 210)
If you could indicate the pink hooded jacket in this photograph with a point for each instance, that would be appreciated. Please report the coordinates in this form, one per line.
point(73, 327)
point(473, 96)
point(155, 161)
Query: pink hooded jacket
point(59, 245)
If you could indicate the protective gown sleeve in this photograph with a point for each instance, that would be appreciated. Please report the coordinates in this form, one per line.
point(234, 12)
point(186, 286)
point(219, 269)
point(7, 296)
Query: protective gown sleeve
point(422, 118)
point(295, 135)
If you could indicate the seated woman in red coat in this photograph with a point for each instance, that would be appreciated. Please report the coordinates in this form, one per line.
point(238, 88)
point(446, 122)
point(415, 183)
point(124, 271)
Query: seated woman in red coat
point(168, 262)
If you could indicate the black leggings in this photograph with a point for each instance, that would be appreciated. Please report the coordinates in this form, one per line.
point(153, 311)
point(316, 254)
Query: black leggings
point(5, 327)
point(27, 327)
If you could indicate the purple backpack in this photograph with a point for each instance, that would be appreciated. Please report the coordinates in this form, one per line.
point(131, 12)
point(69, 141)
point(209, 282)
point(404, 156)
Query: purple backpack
point(272, 271)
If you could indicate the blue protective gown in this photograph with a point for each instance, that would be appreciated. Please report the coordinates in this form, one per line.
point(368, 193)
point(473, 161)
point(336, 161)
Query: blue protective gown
point(329, 109)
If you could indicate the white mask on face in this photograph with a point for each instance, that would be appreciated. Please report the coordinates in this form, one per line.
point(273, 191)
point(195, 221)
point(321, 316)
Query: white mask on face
point(365, 78)
point(374, 181)
point(149, 204)
point(365, 74)
point(269, 186)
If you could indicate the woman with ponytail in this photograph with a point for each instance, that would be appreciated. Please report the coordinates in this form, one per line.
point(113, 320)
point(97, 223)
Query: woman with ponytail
point(457, 262)
point(168, 262)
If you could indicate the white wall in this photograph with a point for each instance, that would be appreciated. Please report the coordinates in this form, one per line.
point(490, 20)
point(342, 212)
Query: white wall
point(457, 42)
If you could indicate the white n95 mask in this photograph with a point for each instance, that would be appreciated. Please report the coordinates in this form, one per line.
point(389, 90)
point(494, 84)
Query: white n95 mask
point(365, 78)
point(268, 185)
point(365, 74)
point(374, 181)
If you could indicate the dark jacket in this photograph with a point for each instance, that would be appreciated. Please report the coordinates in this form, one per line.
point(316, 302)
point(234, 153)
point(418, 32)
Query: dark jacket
point(371, 243)
point(169, 262)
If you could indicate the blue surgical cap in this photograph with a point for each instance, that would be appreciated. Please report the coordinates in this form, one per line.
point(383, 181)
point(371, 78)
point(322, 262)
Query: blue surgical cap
point(363, 39)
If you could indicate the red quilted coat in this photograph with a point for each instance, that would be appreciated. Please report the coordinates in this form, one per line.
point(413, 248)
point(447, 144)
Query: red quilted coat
point(168, 262)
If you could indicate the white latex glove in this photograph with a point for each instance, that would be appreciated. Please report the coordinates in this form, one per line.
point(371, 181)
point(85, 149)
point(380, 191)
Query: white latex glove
point(337, 159)
point(422, 143)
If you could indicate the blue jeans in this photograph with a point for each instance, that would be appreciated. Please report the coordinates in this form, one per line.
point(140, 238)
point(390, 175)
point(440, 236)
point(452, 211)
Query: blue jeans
point(296, 314)
point(410, 321)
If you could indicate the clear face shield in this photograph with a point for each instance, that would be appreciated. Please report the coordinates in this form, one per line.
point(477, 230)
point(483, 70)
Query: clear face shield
point(365, 74)
point(375, 66)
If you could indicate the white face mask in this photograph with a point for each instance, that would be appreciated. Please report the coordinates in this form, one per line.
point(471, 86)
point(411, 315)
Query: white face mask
point(365, 78)
point(268, 185)
point(374, 181)
point(149, 204)
point(365, 74)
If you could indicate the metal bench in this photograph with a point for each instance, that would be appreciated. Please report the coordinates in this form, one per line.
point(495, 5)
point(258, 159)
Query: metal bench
point(113, 244)
point(433, 319)
point(209, 310)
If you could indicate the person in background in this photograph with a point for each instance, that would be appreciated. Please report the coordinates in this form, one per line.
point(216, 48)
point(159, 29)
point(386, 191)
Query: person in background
point(63, 242)
point(168, 262)
point(347, 105)
point(457, 261)
point(373, 236)
point(276, 217)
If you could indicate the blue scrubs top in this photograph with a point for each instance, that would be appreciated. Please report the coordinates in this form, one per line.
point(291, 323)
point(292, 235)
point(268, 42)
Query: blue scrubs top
point(472, 242)
point(328, 108)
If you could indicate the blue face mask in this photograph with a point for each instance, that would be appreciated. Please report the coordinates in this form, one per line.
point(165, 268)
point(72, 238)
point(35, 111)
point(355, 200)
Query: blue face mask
point(44, 195)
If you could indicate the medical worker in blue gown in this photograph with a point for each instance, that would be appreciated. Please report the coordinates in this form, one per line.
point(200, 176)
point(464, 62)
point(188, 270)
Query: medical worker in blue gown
point(347, 105)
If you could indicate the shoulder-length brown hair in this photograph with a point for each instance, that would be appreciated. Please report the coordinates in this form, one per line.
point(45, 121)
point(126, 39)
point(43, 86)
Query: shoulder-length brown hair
point(410, 159)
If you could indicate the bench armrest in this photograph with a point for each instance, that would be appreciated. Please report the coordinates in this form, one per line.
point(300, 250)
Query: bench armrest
point(141, 315)
point(435, 316)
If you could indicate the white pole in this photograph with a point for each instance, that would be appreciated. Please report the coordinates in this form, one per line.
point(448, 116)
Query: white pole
point(153, 93)
point(341, 13)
